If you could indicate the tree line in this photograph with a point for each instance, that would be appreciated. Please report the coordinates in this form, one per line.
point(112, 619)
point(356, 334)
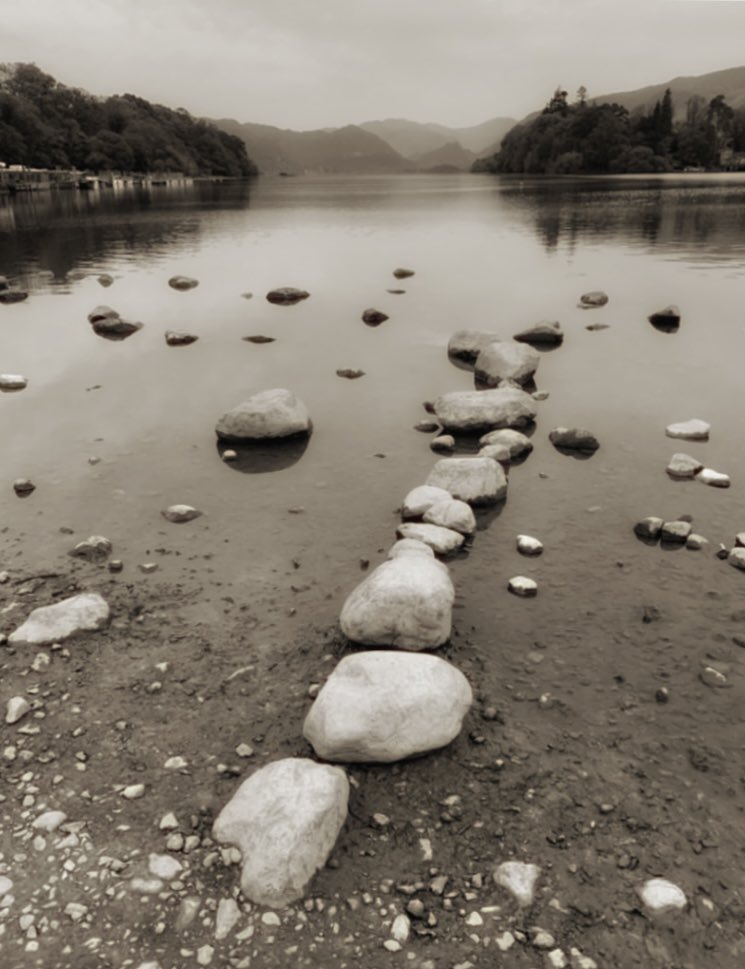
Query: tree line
point(44, 124)
point(579, 137)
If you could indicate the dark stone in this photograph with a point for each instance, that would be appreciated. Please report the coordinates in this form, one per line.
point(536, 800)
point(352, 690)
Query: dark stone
point(403, 273)
point(544, 334)
point(373, 317)
point(574, 439)
point(594, 327)
point(12, 296)
point(286, 295)
point(667, 319)
point(350, 374)
point(258, 339)
point(396, 292)
point(23, 487)
point(595, 298)
point(105, 280)
point(182, 283)
point(176, 339)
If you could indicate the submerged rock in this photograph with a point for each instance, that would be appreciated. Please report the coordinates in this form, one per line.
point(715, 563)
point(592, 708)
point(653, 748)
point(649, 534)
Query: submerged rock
point(683, 466)
point(471, 411)
point(107, 323)
point(9, 296)
point(592, 299)
point(174, 338)
point(574, 439)
point(93, 549)
point(442, 540)
point(23, 487)
point(649, 527)
point(405, 602)
point(12, 381)
point(379, 707)
point(466, 345)
point(373, 317)
point(285, 819)
point(516, 443)
point(479, 481)
point(452, 513)
point(258, 338)
point(182, 282)
point(427, 427)
point(506, 360)
point(666, 319)
point(180, 513)
point(541, 334)
point(403, 273)
point(105, 280)
point(692, 430)
point(419, 499)
point(286, 295)
point(51, 624)
point(267, 415)
point(717, 479)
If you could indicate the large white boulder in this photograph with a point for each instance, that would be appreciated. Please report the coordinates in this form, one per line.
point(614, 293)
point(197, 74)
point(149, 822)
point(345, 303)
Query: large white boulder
point(483, 410)
point(466, 345)
point(506, 360)
point(380, 706)
point(421, 498)
point(269, 414)
point(51, 624)
point(514, 441)
point(479, 480)
point(285, 819)
point(440, 539)
point(405, 602)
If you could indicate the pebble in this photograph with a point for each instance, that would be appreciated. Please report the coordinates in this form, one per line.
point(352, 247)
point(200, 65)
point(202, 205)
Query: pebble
point(49, 821)
point(23, 486)
point(712, 677)
point(146, 886)
point(76, 911)
point(474, 919)
point(557, 959)
point(527, 545)
point(180, 513)
point(540, 938)
point(415, 908)
point(717, 479)
point(519, 879)
point(649, 527)
point(522, 586)
point(271, 918)
point(660, 895)
point(505, 941)
point(176, 763)
point(164, 866)
point(229, 454)
point(696, 542)
point(16, 709)
point(693, 430)
point(6, 885)
point(244, 750)
point(227, 916)
point(204, 955)
point(133, 791)
point(391, 945)
point(736, 557)
point(401, 928)
point(443, 443)
point(683, 466)
point(427, 427)
point(676, 531)
point(148, 567)
point(12, 381)
point(168, 822)
point(116, 565)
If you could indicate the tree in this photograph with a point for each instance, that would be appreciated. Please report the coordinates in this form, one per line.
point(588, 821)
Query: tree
point(558, 102)
point(581, 95)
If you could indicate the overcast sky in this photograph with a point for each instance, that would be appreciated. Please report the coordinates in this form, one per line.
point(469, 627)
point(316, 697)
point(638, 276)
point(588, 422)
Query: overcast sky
point(318, 63)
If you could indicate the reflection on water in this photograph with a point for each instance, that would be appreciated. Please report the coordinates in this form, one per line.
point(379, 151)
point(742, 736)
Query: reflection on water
point(264, 457)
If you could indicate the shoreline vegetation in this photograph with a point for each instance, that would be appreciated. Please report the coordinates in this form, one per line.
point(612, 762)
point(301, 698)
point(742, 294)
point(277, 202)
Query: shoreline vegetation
point(64, 132)
point(583, 138)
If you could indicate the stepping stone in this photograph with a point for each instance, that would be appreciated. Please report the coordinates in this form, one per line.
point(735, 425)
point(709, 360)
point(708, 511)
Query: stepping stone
point(693, 430)
point(478, 481)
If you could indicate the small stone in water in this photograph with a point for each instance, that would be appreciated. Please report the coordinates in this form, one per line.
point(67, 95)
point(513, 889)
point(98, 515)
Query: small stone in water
point(527, 545)
point(696, 542)
point(229, 455)
point(148, 567)
point(714, 478)
point(23, 487)
point(180, 513)
point(676, 531)
point(693, 430)
point(116, 565)
point(374, 317)
point(683, 466)
point(403, 273)
point(522, 586)
point(445, 442)
point(649, 527)
point(736, 557)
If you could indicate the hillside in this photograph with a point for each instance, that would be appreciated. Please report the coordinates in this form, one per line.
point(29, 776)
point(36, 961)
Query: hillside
point(730, 83)
point(451, 155)
point(413, 139)
point(44, 124)
point(336, 150)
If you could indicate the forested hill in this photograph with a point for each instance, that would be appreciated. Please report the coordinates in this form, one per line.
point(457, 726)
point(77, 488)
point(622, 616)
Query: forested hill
point(44, 124)
point(582, 137)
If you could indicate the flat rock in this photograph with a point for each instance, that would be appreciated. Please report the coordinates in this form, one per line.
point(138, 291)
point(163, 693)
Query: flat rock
point(519, 879)
point(717, 479)
point(421, 498)
point(521, 585)
point(285, 819)
point(442, 541)
point(374, 317)
point(182, 283)
point(258, 338)
point(479, 481)
point(516, 443)
point(267, 415)
point(527, 545)
point(350, 374)
point(542, 334)
point(9, 296)
point(96, 548)
point(403, 273)
point(180, 513)
point(736, 558)
point(379, 707)
point(649, 527)
point(692, 430)
point(471, 411)
point(595, 297)
point(466, 345)
point(675, 531)
point(660, 895)
point(683, 466)
point(406, 602)
point(452, 514)
point(12, 381)
point(287, 295)
point(176, 338)
point(574, 439)
point(51, 624)
point(445, 442)
point(427, 427)
point(506, 360)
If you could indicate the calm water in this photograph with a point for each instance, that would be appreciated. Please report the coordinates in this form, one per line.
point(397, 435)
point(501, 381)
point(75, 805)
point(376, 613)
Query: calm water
point(488, 254)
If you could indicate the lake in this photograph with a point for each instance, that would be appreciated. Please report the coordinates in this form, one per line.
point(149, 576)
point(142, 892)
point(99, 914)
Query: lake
point(261, 577)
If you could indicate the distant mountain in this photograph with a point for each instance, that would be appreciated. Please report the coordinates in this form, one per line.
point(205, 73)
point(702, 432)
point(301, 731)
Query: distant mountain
point(413, 139)
point(327, 150)
point(451, 156)
point(730, 83)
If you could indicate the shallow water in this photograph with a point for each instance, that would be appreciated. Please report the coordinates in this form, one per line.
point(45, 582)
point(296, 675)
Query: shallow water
point(488, 254)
